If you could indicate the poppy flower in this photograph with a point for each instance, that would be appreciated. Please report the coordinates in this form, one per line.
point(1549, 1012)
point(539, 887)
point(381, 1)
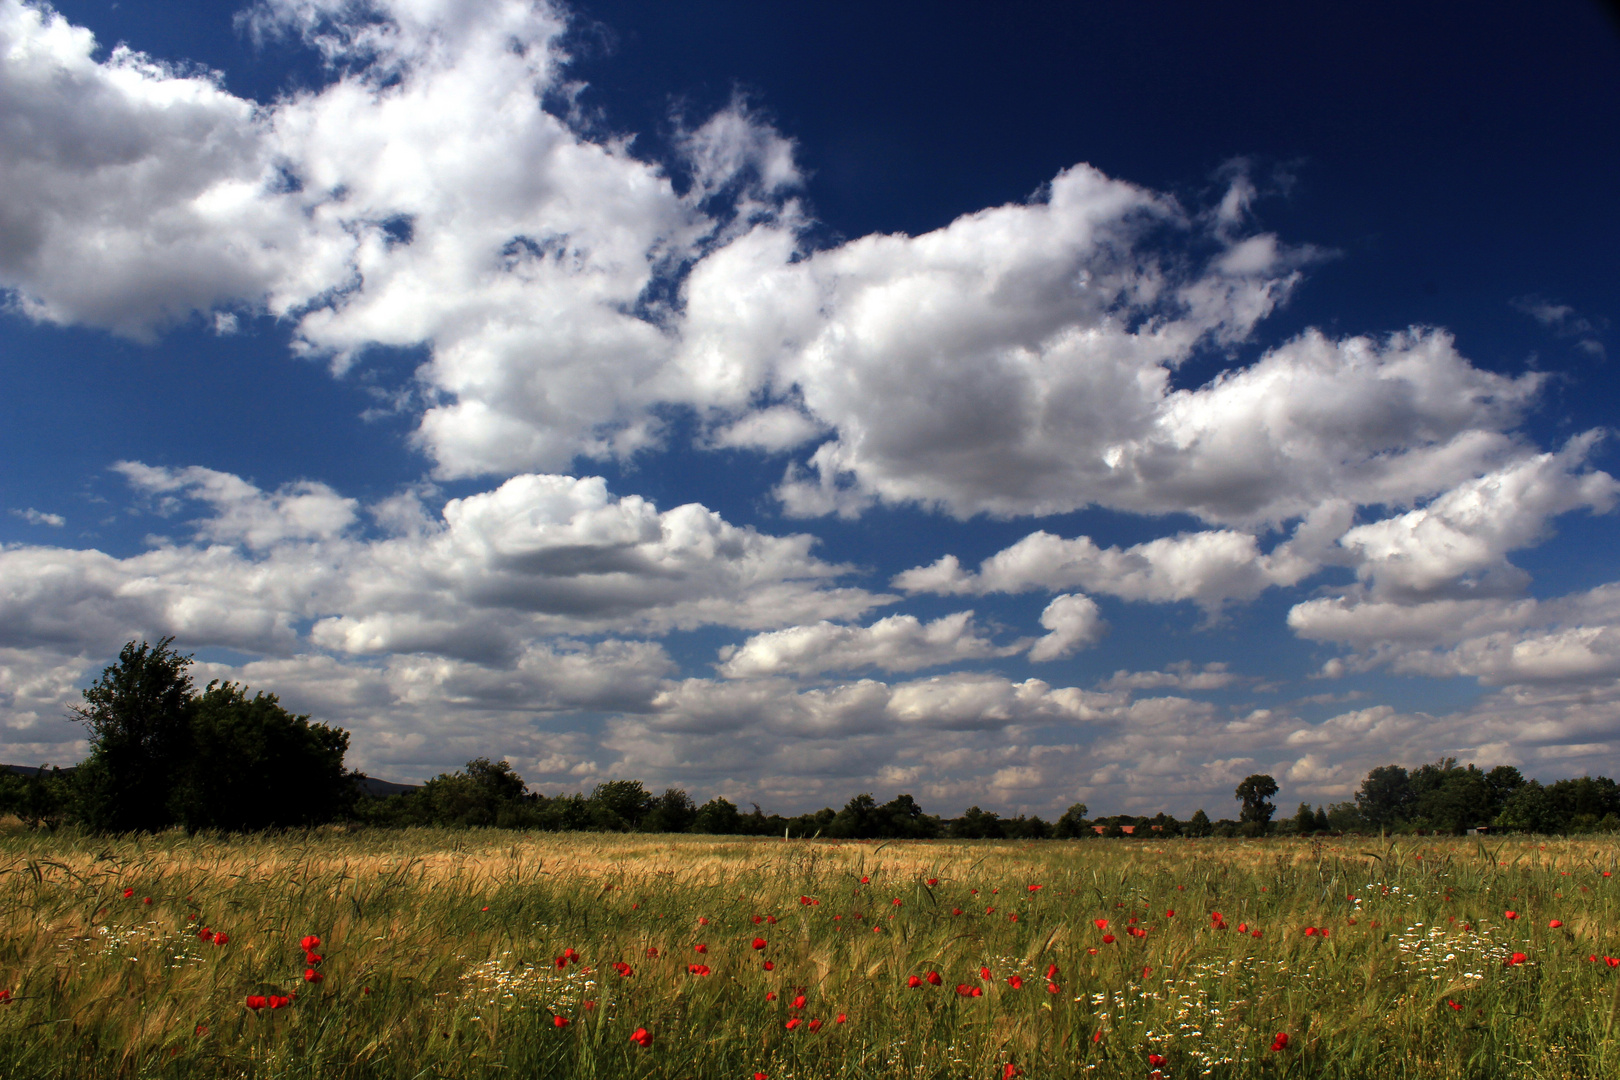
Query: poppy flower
point(1146, 972)
point(313, 958)
point(703, 920)
point(1108, 939)
point(129, 893)
point(798, 1002)
point(1036, 888)
point(221, 937)
point(1612, 961)
point(702, 948)
point(956, 911)
point(1170, 914)
point(312, 976)
point(770, 995)
point(1280, 1042)
point(146, 900)
point(256, 1002)
point(559, 1021)
point(1157, 1061)
point(895, 901)
point(1555, 924)
point(205, 934)
point(1310, 931)
point(759, 1076)
point(984, 973)
point(965, 990)
point(624, 969)
point(1096, 1036)
point(1136, 931)
point(1009, 1072)
point(641, 1037)
point(815, 1026)
point(5, 997)
point(1516, 959)
point(280, 1002)
point(1243, 928)
point(840, 1018)
point(759, 943)
point(865, 879)
point(1455, 1007)
point(652, 952)
point(933, 881)
point(934, 979)
point(769, 966)
point(1255, 934)
point(698, 969)
point(913, 982)
point(793, 1023)
point(309, 943)
point(989, 911)
point(1051, 971)
point(1511, 914)
point(1015, 982)
point(770, 920)
point(758, 919)
point(1052, 988)
point(1099, 923)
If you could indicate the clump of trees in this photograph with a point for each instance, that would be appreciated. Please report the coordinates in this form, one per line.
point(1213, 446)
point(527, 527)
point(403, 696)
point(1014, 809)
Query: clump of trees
point(163, 754)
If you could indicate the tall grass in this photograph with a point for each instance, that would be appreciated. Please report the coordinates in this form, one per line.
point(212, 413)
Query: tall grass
point(440, 957)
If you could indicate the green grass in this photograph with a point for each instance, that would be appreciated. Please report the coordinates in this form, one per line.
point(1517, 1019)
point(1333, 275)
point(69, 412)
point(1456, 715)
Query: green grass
point(440, 957)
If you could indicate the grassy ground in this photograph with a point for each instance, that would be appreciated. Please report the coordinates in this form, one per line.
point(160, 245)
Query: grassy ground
point(440, 957)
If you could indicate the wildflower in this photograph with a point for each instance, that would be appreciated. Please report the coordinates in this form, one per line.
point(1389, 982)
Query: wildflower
point(310, 942)
point(1051, 971)
point(1310, 931)
point(559, 1021)
point(5, 997)
point(965, 990)
point(1108, 939)
point(280, 1002)
point(1170, 914)
point(221, 937)
point(698, 969)
point(1243, 928)
point(702, 948)
point(1096, 1036)
point(1612, 961)
point(255, 1002)
point(1146, 972)
point(984, 973)
point(312, 976)
point(205, 934)
point(1099, 923)
point(913, 982)
point(146, 900)
point(1009, 1072)
point(770, 995)
point(129, 893)
point(758, 919)
point(1454, 1006)
point(624, 969)
point(934, 979)
point(641, 1037)
point(1036, 888)
point(1555, 924)
point(770, 966)
point(1015, 982)
point(1136, 931)
point(652, 952)
point(793, 1023)
point(1052, 988)
point(933, 881)
point(840, 1018)
point(1157, 1061)
point(1516, 959)
point(895, 901)
point(798, 1002)
point(815, 1026)
point(759, 943)
point(989, 911)
point(1511, 914)
point(703, 920)
point(956, 911)
point(202, 1029)
point(865, 879)
point(1280, 1042)
point(770, 920)
point(759, 1076)
point(1255, 934)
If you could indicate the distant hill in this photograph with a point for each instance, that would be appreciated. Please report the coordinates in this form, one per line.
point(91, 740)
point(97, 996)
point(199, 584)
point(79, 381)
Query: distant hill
point(369, 785)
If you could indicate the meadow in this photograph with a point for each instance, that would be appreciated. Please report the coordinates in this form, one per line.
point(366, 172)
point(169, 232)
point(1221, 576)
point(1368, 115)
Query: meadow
point(493, 954)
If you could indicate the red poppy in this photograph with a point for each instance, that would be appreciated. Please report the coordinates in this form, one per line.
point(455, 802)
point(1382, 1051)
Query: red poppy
point(1170, 914)
point(798, 1002)
point(865, 879)
point(770, 995)
point(1310, 931)
point(1052, 988)
point(1099, 923)
point(984, 973)
point(1280, 1042)
point(1108, 939)
point(641, 1037)
point(913, 982)
point(1136, 931)
point(1456, 1007)
point(256, 1002)
point(1255, 934)
point(1511, 914)
point(698, 969)
point(309, 943)
point(5, 997)
point(793, 1023)
point(933, 881)
point(128, 893)
point(895, 901)
point(221, 937)
point(1009, 1072)
point(1243, 928)
point(1157, 1061)
point(968, 991)
point(1096, 1036)
point(769, 966)
point(956, 911)
point(312, 976)
point(1516, 958)
point(1015, 982)
point(559, 1021)
point(1036, 888)
point(759, 1076)
point(205, 934)
point(280, 1002)
point(1612, 961)
point(1051, 971)
point(840, 1018)
point(312, 958)
point(934, 979)
point(702, 948)
point(770, 920)
point(624, 969)
point(652, 952)
point(703, 920)
point(815, 1026)
point(146, 900)
point(758, 919)
point(1555, 924)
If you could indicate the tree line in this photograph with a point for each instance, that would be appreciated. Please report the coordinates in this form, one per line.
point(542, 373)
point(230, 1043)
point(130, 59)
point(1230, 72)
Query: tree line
point(164, 754)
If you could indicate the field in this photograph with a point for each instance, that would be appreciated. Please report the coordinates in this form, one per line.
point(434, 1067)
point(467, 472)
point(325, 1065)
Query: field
point(489, 954)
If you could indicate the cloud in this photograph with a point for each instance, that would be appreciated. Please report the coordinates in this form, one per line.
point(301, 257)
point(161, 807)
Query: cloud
point(39, 517)
point(1182, 675)
point(896, 643)
point(1564, 322)
point(1073, 622)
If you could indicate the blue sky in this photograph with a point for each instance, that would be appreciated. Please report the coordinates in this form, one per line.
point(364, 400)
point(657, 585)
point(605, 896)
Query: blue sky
point(1066, 403)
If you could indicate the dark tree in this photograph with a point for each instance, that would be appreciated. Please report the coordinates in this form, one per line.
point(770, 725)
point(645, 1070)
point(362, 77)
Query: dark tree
point(484, 793)
point(1385, 797)
point(1072, 823)
point(139, 718)
point(1460, 800)
point(977, 824)
point(1503, 780)
point(717, 817)
point(673, 811)
point(1304, 820)
point(253, 765)
point(858, 820)
point(902, 818)
point(1199, 824)
point(1531, 810)
point(1254, 793)
point(619, 805)
point(1320, 821)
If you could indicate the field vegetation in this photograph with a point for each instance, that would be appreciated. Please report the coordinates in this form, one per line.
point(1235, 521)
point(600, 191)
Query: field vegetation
point(423, 953)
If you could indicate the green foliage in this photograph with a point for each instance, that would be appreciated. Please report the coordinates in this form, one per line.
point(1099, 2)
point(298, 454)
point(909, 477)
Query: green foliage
point(1254, 793)
point(1072, 824)
point(1304, 820)
point(138, 716)
point(1198, 824)
point(1385, 796)
point(40, 798)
